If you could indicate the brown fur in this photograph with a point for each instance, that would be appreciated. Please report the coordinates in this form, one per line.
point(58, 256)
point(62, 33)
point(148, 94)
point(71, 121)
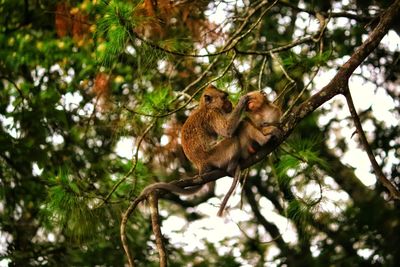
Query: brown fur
point(263, 116)
point(213, 118)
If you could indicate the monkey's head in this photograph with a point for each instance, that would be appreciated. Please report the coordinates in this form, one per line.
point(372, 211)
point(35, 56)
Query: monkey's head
point(213, 98)
point(257, 99)
point(261, 111)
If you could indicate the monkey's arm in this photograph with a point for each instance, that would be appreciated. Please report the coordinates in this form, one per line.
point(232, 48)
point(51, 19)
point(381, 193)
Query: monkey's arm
point(261, 136)
point(230, 124)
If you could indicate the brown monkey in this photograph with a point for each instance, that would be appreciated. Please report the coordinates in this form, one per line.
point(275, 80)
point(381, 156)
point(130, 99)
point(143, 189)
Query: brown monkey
point(256, 130)
point(261, 124)
point(202, 127)
point(213, 118)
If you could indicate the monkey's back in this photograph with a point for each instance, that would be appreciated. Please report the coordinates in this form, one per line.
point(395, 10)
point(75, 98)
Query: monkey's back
point(197, 136)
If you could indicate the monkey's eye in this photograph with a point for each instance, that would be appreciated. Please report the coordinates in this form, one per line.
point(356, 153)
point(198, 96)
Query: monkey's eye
point(207, 98)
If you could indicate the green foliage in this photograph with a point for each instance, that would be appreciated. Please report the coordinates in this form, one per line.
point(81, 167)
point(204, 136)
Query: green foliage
point(68, 208)
point(114, 26)
point(156, 101)
point(306, 62)
point(300, 213)
point(299, 157)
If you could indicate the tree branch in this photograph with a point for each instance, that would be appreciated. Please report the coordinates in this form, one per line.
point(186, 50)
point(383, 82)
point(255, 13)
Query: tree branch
point(360, 18)
point(394, 193)
point(155, 223)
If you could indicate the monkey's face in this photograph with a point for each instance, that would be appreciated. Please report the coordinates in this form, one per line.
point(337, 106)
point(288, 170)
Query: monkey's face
point(256, 101)
point(261, 111)
point(214, 98)
point(221, 102)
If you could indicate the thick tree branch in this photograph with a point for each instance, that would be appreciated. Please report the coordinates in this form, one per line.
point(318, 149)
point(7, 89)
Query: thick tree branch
point(155, 223)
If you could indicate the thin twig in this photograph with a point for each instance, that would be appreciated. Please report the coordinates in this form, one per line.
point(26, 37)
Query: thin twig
point(301, 93)
point(236, 39)
point(288, 87)
point(281, 67)
point(134, 160)
point(291, 84)
point(14, 84)
point(261, 72)
point(360, 18)
point(277, 49)
point(394, 193)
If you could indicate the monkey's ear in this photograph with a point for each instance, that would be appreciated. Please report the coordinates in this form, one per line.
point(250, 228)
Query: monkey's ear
point(207, 99)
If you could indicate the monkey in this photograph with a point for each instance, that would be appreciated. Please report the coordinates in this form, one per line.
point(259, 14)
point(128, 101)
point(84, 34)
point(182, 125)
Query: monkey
point(204, 125)
point(214, 117)
point(261, 124)
point(201, 129)
point(257, 129)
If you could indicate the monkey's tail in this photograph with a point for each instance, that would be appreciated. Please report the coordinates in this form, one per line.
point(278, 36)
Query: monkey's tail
point(171, 188)
point(230, 191)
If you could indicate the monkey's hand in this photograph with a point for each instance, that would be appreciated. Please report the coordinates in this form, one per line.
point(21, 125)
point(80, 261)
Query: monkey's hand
point(273, 131)
point(243, 101)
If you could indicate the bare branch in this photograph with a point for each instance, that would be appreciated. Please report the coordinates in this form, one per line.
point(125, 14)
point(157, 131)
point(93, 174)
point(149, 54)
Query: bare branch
point(124, 221)
point(155, 222)
point(14, 84)
point(277, 49)
point(134, 160)
point(394, 193)
point(261, 72)
point(360, 18)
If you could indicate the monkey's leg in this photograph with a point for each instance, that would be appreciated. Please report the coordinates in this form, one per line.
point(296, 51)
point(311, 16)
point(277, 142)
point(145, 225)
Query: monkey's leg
point(230, 191)
point(224, 155)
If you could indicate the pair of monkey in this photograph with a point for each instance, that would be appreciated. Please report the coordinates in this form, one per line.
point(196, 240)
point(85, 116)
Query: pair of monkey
point(215, 117)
